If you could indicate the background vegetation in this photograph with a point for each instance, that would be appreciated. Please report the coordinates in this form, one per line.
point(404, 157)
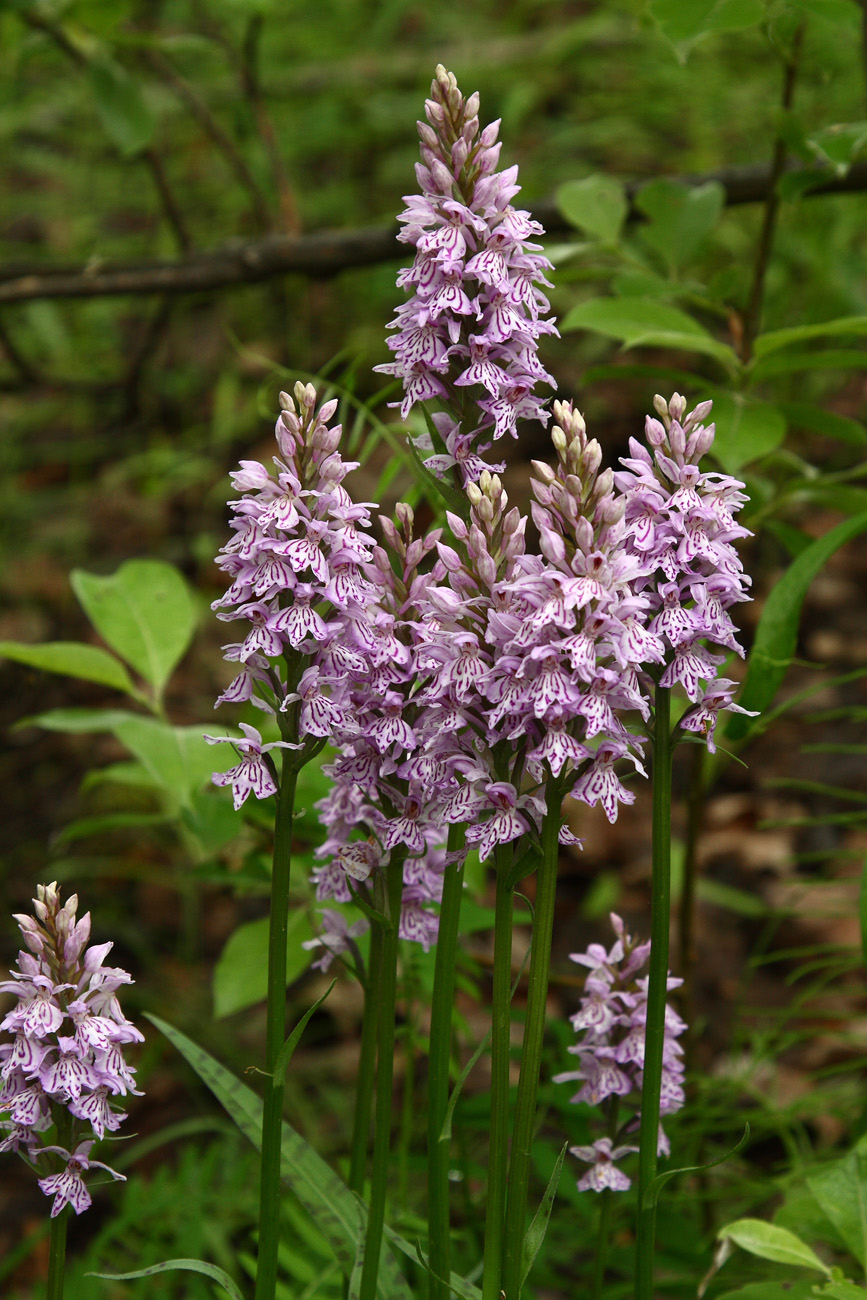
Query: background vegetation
point(208, 143)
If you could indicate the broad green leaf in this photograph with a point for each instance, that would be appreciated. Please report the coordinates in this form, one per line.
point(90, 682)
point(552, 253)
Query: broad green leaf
point(789, 363)
point(144, 611)
point(211, 818)
point(840, 144)
point(125, 116)
point(841, 1190)
point(739, 901)
point(535, 1234)
point(646, 322)
point(241, 974)
point(75, 721)
point(337, 1214)
point(172, 1265)
point(597, 205)
point(769, 1241)
point(772, 1291)
point(125, 773)
point(681, 216)
point(832, 11)
point(842, 1290)
point(686, 21)
point(74, 659)
point(85, 827)
point(776, 339)
point(804, 415)
point(777, 633)
point(745, 429)
point(179, 759)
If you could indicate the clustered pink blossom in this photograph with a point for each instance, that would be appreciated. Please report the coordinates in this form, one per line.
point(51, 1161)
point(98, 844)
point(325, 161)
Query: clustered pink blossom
point(611, 1022)
point(680, 524)
point(468, 335)
point(67, 1050)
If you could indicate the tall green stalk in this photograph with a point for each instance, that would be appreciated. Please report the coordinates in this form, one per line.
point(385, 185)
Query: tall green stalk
point(657, 989)
point(272, 1118)
point(387, 899)
point(366, 1065)
point(57, 1255)
point(442, 1004)
point(501, 1023)
point(531, 1056)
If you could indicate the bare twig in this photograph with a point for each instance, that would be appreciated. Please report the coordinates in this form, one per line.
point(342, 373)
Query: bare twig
point(752, 317)
point(220, 138)
point(324, 254)
point(253, 93)
point(171, 209)
point(26, 371)
point(149, 340)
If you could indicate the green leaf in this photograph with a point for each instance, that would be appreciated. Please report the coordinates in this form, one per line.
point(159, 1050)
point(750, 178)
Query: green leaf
point(685, 22)
point(832, 11)
point(777, 633)
point(840, 1291)
point(241, 974)
point(788, 363)
point(645, 322)
point(655, 1186)
point(596, 205)
point(75, 721)
point(839, 145)
point(804, 415)
point(535, 1234)
point(681, 216)
point(125, 116)
point(772, 1291)
point(745, 429)
point(776, 339)
point(841, 1191)
point(171, 1265)
point(287, 1051)
point(337, 1214)
point(144, 611)
point(74, 659)
point(463, 1289)
point(178, 759)
point(769, 1241)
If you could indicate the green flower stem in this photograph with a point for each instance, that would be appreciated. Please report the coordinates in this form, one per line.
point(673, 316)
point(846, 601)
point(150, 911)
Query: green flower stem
point(498, 1147)
point(392, 889)
point(657, 989)
point(272, 1118)
point(603, 1240)
point(442, 1002)
point(57, 1255)
point(531, 1056)
point(366, 1065)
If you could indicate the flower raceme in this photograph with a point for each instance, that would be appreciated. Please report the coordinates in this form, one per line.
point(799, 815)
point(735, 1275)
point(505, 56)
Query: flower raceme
point(611, 1022)
point(67, 1051)
point(468, 336)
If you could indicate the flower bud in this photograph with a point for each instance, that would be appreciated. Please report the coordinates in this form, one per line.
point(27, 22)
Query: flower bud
point(543, 471)
point(654, 431)
point(286, 403)
point(558, 438)
point(473, 494)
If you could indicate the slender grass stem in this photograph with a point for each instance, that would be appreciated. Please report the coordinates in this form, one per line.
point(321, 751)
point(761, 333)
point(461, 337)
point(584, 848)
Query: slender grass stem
point(272, 1117)
point(442, 1004)
point(654, 1034)
point(531, 1056)
point(384, 1078)
point(366, 1066)
point(57, 1255)
point(498, 1147)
